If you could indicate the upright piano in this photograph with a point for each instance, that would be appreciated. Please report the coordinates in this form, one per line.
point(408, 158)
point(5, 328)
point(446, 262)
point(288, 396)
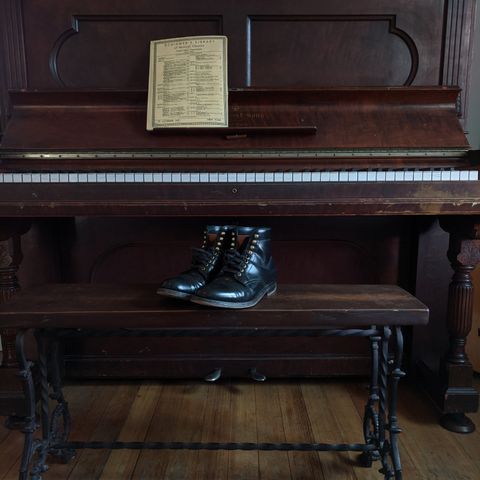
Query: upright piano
point(336, 152)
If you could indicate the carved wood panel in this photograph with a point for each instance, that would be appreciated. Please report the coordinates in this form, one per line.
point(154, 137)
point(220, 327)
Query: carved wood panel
point(330, 45)
point(116, 47)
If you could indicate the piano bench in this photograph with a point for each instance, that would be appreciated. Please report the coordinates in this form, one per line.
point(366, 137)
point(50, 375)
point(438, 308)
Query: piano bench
point(55, 312)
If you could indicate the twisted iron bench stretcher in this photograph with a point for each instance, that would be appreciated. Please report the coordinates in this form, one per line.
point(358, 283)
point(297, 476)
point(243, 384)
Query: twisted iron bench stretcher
point(56, 312)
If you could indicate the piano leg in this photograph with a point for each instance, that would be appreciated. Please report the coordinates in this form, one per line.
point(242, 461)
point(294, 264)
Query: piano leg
point(458, 395)
point(11, 392)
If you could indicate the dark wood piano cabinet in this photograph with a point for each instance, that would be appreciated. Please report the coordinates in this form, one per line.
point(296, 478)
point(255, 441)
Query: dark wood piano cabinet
point(71, 106)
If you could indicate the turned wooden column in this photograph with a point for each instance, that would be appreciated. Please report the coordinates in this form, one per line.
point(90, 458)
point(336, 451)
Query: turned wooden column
point(459, 395)
point(8, 286)
point(11, 391)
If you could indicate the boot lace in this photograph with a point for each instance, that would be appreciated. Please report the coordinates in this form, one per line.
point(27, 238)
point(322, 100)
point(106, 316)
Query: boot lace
point(234, 262)
point(202, 257)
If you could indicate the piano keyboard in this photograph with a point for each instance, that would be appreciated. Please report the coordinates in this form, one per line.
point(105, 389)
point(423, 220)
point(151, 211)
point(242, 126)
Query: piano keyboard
point(433, 175)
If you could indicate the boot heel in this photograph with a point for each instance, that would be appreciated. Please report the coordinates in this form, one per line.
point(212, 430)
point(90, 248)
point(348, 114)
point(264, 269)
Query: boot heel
point(272, 290)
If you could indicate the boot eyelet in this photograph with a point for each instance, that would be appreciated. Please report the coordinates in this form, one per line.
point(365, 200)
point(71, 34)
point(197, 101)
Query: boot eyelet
point(256, 235)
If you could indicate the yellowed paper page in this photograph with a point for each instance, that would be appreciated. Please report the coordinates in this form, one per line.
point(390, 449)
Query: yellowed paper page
point(188, 83)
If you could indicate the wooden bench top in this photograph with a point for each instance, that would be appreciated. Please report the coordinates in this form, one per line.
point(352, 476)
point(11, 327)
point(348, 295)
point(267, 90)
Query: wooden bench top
point(97, 306)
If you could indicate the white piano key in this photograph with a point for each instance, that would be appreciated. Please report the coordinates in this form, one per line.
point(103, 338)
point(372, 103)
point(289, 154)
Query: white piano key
point(333, 176)
point(138, 177)
point(260, 177)
point(316, 176)
point(91, 178)
point(110, 177)
point(278, 177)
point(362, 176)
point(408, 176)
point(417, 176)
point(399, 176)
point(427, 175)
point(176, 177)
point(436, 175)
point(343, 177)
point(371, 176)
point(455, 176)
point(213, 177)
point(1, 178)
point(445, 175)
point(232, 177)
point(241, 177)
point(288, 177)
point(389, 176)
point(325, 177)
point(120, 177)
point(45, 177)
point(102, 178)
point(297, 176)
point(73, 178)
point(148, 177)
point(8, 178)
point(196, 177)
point(129, 177)
point(269, 176)
point(185, 177)
point(27, 178)
point(464, 175)
point(204, 177)
point(306, 176)
point(82, 177)
point(473, 175)
point(223, 177)
point(352, 176)
point(250, 177)
point(381, 176)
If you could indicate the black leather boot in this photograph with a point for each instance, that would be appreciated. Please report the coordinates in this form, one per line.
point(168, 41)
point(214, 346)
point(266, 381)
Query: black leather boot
point(206, 263)
point(248, 273)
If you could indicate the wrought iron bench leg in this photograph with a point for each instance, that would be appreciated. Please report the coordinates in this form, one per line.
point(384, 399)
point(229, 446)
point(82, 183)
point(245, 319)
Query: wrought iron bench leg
point(30, 425)
point(60, 419)
point(396, 375)
point(388, 392)
point(370, 418)
point(55, 426)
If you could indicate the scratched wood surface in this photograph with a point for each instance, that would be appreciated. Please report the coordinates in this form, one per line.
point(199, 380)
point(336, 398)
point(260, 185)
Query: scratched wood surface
point(326, 410)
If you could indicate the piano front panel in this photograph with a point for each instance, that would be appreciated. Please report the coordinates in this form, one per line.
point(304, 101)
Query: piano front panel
point(263, 198)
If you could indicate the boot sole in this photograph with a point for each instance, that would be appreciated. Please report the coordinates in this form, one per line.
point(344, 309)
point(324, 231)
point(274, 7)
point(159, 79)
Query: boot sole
point(268, 290)
point(173, 293)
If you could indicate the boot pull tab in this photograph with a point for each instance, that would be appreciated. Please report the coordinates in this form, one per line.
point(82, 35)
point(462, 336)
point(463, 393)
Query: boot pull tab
point(257, 376)
point(214, 375)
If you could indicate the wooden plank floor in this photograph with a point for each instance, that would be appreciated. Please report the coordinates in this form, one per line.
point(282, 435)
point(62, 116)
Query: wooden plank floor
point(297, 411)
